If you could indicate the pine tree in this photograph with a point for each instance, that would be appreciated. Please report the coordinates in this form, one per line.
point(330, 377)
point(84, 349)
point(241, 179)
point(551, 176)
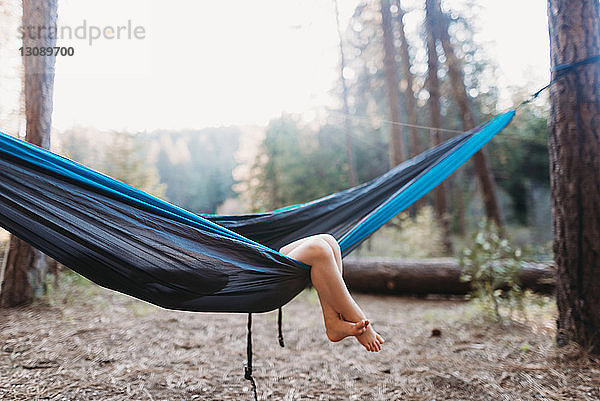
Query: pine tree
point(25, 266)
point(574, 28)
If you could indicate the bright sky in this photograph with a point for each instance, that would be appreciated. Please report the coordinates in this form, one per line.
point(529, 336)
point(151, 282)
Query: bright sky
point(214, 63)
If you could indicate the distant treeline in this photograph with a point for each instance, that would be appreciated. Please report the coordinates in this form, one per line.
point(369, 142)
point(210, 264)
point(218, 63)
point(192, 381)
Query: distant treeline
point(192, 169)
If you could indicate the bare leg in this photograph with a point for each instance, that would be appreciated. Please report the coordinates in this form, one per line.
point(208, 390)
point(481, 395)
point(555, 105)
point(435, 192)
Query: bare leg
point(323, 254)
point(328, 311)
point(335, 325)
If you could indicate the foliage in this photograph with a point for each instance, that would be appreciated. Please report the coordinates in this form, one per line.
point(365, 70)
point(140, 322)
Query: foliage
point(66, 288)
point(519, 158)
point(518, 162)
point(492, 266)
point(197, 165)
point(121, 155)
point(192, 169)
point(125, 160)
point(290, 169)
point(297, 164)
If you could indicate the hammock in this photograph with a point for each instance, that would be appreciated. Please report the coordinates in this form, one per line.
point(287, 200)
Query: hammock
point(129, 241)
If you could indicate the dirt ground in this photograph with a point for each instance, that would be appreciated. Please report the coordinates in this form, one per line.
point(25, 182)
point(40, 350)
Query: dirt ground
point(93, 344)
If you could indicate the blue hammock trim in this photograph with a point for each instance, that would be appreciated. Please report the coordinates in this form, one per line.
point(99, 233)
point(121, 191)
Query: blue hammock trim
point(424, 183)
point(129, 241)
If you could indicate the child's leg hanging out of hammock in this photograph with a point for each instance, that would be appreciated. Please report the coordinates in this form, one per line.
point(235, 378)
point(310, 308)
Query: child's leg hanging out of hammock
point(341, 314)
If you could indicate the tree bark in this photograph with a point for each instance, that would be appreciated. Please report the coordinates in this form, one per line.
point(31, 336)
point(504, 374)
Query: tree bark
point(429, 276)
point(347, 123)
point(407, 76)
point(397, 148)
point(435, 116)
point(574, 147)
point(25, 266)
point(459, 92)
point(457, 182)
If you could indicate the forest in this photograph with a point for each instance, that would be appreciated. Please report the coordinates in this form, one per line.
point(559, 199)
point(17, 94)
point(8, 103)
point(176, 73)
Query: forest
point(294, 160)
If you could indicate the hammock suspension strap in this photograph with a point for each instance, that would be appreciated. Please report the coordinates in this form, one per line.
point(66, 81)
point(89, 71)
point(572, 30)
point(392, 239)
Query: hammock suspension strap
point(560, 70)
point(248, 368)
point(279, 319)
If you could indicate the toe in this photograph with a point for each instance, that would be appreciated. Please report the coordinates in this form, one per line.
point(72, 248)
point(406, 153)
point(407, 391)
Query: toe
point(381, 340)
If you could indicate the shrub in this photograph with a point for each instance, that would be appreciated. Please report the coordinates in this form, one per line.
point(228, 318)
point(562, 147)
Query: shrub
point(492, 264)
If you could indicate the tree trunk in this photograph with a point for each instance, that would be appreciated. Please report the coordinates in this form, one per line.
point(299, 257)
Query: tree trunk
point(574, 145)
point(397, 148)
point(460, 203)
point(429, 276)
point(408, 78)
point(347, 123)
point(435, 116)
point(25, 266)
point(459, 92)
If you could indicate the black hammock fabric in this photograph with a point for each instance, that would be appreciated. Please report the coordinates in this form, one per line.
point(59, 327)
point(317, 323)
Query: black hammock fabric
point(129, 241)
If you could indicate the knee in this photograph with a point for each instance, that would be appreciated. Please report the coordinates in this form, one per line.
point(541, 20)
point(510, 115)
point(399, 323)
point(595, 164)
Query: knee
point(318, 249)
point(330, 239)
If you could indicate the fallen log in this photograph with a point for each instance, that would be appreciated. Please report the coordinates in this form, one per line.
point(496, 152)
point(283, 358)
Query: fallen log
point(429, 276)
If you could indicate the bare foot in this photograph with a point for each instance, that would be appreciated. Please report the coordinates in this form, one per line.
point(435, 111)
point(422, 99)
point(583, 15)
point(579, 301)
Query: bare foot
point(370, 339)
point(338, 329)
